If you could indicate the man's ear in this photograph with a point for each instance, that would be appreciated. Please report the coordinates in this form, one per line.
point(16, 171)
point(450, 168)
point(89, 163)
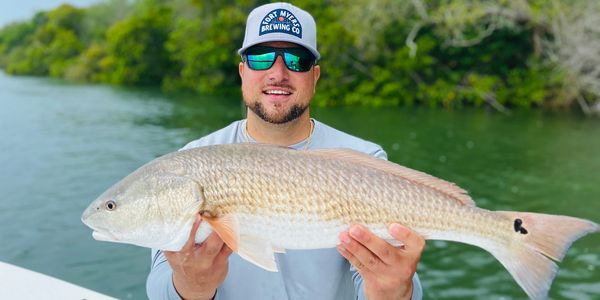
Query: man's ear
point(241, 70)
point(316, 73)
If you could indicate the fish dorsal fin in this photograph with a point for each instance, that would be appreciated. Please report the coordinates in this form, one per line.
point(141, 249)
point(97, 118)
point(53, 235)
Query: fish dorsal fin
point(445, 187)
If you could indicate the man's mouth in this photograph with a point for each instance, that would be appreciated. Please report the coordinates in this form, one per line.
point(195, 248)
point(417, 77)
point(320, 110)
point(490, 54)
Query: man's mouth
point(277, 92)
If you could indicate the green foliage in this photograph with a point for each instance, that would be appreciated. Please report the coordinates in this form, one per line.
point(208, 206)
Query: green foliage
point(14, 35)
point(374, 52)
point(88, 66)
point(135, 48)
point(66, 17)
point(204, 49)
point(51, 51)
point(45, 46)
point(100, 17)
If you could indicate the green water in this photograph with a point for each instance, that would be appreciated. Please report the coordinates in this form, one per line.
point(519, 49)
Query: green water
point(61, 145)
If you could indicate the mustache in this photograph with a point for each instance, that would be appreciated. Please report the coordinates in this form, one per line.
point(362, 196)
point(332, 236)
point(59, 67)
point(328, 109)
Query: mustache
point(279, 85)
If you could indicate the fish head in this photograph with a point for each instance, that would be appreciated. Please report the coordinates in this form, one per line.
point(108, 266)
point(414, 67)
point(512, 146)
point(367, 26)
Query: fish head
point(148, 209)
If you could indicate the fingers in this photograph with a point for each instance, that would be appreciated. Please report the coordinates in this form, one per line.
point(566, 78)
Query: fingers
point(360, 256)
point(191, 242)
point(211, 252)
point(353, 260)
point(223, 256)
point(385, 269)
point(211, 246)
point(373, 252)
point(413, 243)
point(379, 247)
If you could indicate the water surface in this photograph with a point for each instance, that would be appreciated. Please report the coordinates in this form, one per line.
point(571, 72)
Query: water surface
point(62, 144)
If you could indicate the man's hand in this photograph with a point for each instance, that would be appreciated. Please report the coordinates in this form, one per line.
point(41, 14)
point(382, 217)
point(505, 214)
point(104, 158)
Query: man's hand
point(387, 271)
point(199, 269)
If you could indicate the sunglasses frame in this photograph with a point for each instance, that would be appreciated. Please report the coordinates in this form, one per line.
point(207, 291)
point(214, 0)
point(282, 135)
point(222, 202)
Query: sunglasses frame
point(280, 52)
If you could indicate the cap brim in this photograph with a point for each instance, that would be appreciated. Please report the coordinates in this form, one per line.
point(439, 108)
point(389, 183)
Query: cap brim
point(280, 37)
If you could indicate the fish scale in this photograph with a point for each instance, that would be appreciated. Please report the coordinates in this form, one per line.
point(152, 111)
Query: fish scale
point(263, 199)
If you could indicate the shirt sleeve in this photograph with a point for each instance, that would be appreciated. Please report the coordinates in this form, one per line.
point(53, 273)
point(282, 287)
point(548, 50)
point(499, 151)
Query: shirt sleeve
point(417, 293)
point(380, 153)
point(159, 285)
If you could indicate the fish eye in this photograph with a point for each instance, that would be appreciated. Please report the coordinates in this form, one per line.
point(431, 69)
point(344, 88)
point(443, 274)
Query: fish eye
point(110, 205)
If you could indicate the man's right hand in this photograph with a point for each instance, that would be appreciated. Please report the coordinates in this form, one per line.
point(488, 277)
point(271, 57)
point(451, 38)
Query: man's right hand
point(199, 269)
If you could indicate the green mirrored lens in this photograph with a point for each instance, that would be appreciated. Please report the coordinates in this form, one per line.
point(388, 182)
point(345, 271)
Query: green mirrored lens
point(293, 62)
point(263, 58)
point(298, 59)
point(261, 61)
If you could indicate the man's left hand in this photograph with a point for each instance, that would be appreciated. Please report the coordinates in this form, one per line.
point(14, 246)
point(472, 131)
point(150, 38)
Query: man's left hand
point(387, 271)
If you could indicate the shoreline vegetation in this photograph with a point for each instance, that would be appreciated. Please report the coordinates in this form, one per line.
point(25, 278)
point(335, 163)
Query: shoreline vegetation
point(502, 54)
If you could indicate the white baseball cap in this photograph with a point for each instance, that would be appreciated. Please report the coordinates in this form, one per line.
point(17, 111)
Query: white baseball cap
point(280, 22)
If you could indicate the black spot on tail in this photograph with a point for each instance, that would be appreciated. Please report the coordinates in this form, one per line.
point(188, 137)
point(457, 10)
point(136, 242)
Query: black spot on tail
point(519, 226)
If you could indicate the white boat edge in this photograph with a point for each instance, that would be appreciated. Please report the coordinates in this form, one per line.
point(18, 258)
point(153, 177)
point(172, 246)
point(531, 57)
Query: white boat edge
point(20, 283)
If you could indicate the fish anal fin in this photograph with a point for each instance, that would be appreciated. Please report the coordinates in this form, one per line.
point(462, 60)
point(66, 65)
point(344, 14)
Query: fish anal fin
point(418, 177)
point(227, 229)
point(259, 252)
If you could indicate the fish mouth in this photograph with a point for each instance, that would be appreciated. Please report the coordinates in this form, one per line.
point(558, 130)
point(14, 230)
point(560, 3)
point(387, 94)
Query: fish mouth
point(104, 236)
point(98, 233)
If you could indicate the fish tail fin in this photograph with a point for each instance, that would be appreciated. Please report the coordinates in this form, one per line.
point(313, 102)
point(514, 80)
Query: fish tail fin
point(539, 239)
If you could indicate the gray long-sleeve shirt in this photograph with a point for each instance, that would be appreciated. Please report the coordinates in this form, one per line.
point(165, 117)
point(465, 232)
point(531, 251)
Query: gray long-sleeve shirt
point(303, 274)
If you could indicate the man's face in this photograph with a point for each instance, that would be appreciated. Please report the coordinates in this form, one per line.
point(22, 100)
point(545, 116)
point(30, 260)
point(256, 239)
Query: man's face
point(278, 95)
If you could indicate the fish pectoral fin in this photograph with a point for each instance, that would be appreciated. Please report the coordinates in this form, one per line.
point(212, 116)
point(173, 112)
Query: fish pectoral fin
point(227, 229)
point(258, 251)
point(251, 248)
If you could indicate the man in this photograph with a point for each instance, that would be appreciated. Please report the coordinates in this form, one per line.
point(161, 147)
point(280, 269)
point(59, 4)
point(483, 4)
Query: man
point(279, 75)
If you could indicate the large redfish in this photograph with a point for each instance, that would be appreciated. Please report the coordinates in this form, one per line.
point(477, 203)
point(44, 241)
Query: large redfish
point(263, 199)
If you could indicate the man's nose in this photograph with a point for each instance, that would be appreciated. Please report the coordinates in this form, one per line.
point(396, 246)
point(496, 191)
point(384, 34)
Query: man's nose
point(278, 72)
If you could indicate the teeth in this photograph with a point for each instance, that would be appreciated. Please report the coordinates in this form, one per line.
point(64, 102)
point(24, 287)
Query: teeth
point(277, 92)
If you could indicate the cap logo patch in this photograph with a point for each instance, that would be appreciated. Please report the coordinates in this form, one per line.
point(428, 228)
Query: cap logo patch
point(280, 20)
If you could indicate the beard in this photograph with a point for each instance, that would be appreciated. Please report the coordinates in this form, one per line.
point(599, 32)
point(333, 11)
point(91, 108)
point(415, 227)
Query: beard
point(292, 114)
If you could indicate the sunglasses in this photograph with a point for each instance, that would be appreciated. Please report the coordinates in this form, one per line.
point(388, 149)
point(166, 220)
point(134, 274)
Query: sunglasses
point(262, 58)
